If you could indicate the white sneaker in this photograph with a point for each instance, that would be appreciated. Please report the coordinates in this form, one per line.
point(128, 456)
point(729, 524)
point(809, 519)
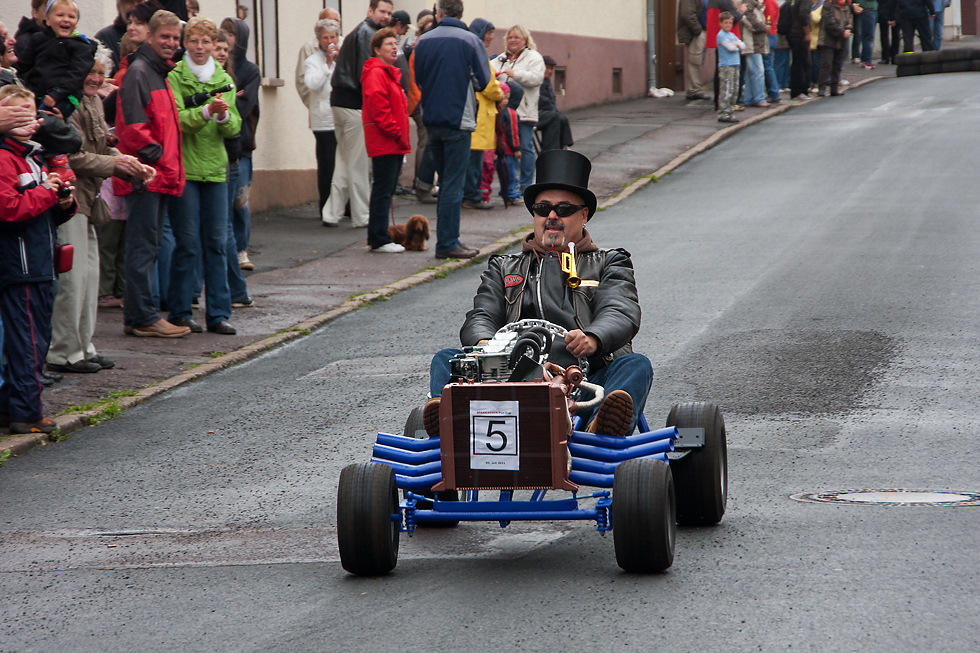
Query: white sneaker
point(844, 82)
point(390, 248)
point(243, 261)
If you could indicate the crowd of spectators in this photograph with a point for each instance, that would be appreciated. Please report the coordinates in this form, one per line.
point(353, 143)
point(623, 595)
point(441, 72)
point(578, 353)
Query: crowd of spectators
point(140, 201)
point(797, 47)
point(454, 95)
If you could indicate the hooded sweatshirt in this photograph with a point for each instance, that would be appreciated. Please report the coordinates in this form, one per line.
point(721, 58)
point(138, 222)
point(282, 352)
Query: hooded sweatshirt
point(486, 113)
point(248, 78)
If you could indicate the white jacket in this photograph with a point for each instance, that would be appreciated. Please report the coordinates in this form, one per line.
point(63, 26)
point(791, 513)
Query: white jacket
point(529, 73)
point(317, 76)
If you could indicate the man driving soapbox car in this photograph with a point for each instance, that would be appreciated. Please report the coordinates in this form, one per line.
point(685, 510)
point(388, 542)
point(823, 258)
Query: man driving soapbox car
point(533, 405)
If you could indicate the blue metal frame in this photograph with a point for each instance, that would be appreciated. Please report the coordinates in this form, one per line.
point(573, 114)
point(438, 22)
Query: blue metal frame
point(418, 466)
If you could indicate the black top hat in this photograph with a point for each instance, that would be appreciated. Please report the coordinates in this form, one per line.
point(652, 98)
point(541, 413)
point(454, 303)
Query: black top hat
point(562, 170)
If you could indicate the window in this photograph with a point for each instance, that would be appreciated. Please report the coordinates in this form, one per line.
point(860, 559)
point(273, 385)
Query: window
point(262, 17)
point(559, 81)
point(617, 81)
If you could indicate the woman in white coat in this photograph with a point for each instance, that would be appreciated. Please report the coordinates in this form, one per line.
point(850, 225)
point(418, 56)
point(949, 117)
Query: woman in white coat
point(522, 62)
point(318, 69)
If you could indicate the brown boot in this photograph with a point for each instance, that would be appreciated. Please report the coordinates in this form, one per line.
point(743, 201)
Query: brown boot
point(161, 329)
point(614, 416)
point(430, 417)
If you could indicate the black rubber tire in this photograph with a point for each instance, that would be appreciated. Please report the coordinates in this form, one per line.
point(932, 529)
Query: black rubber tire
point(958, 66)
point(367, 497)
point(908, 70)
point(954, 54)
point(931, 68)
point(975, 65)
point(930, 56)
point(415, 428)
point(643, 518)
point(701, 476)
point(908, 58)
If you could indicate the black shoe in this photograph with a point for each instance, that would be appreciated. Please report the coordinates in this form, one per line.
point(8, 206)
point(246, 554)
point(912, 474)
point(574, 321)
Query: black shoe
point(78, 367)
point(103, 362)
point(222, 328)
point(460, 252)
point(401, 190)
point(46, 380)
point(248, 302)
point(189, 323)
point(698, 96)
point(51, 376)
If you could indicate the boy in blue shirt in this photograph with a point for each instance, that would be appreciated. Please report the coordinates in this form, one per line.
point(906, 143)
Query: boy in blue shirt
point(729, 47)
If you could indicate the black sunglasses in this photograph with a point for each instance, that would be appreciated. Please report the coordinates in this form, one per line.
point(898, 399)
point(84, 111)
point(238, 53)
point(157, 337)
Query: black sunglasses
point(562, 209)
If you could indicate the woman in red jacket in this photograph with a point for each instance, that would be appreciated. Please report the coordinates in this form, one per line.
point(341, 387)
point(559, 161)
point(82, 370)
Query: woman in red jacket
point(385, 116)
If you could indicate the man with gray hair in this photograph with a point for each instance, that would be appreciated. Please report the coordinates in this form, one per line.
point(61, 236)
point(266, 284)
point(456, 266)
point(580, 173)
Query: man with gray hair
point(450, 65)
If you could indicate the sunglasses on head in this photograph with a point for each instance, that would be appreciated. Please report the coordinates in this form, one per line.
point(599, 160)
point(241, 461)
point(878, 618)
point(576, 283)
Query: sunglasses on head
point(562, 209)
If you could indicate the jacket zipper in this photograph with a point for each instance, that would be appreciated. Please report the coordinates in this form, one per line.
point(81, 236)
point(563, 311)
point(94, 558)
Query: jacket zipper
point(23, 255)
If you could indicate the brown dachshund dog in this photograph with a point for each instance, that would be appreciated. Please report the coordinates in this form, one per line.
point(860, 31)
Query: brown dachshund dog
point(411, 235)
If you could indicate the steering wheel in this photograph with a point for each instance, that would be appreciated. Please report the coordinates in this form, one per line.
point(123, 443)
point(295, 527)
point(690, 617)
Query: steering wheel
point(535, 338)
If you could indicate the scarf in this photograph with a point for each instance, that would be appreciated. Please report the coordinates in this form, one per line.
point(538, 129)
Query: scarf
point(584, 244)
point(204, 72)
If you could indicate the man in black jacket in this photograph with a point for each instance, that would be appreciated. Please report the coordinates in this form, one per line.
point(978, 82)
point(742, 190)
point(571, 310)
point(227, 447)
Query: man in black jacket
point(352, 167)
point(602, 314)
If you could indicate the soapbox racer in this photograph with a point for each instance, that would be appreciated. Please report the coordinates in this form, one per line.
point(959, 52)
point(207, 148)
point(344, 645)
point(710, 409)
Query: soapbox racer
point(507, 425)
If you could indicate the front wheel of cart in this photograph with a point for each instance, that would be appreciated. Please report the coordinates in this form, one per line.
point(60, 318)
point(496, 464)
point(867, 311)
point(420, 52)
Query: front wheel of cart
point(368, 519)
point(701, 475)
point(643, 519)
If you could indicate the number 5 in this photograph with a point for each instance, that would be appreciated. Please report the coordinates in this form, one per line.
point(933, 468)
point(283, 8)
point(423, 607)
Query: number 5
point(491, 433)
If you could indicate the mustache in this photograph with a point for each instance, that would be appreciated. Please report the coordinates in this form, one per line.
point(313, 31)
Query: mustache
point(555, 224)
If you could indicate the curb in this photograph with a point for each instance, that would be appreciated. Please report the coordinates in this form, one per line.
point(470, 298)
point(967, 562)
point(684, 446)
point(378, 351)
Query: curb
point(16, 445)
point(19, 444)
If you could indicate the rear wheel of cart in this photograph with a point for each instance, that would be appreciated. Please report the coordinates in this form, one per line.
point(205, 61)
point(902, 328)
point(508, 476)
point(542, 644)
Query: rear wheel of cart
point(701, 475)
point(368, 519)
point(415, 428)
point(643, 518)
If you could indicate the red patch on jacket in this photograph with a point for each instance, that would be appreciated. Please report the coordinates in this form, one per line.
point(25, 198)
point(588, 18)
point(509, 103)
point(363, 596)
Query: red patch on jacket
point(512, 280)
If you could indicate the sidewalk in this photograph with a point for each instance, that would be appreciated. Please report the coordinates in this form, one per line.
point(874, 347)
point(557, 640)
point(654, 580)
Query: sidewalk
point(305, 274)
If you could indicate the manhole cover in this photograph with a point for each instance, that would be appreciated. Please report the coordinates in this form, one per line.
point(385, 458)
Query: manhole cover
point(891, 497)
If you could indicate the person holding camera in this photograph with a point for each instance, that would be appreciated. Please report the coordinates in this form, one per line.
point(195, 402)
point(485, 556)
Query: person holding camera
point(199, 217)
point(32, 204)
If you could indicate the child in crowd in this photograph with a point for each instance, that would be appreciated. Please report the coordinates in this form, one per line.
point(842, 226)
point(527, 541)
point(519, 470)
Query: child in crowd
point(54, 64)
point(32, 204)
point(508, 146)
point(729, 47)
point(55, 61)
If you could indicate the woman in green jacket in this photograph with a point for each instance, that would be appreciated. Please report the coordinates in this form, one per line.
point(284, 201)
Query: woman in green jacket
point(199, 217)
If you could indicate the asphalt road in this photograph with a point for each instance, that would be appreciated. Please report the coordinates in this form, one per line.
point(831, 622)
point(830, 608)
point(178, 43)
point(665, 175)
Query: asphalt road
point(815, 275)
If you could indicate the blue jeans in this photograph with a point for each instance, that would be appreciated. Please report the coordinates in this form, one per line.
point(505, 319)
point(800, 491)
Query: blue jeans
point(385, 169)
point(781, 59)
point(816, 61)
point(427, 169)
point(474, 175)
point(768, 65)
point(450, 151)
point(754, 79)
point(526, 131)
point(199, 219)
point(237, 287)
point(144, 233)
point(241, 214)
point(868, 19)
point(631, 372)
point(514, 183)
point(937, 27)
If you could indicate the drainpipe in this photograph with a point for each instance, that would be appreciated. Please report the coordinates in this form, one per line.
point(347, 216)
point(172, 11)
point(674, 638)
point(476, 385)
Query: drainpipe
point(651, 46)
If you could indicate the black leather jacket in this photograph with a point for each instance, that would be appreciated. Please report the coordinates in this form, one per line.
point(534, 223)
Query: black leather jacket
point(606, 305)
point(346, 78)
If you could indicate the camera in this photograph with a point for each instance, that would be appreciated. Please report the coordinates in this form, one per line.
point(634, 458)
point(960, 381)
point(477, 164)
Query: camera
point(64, 191)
